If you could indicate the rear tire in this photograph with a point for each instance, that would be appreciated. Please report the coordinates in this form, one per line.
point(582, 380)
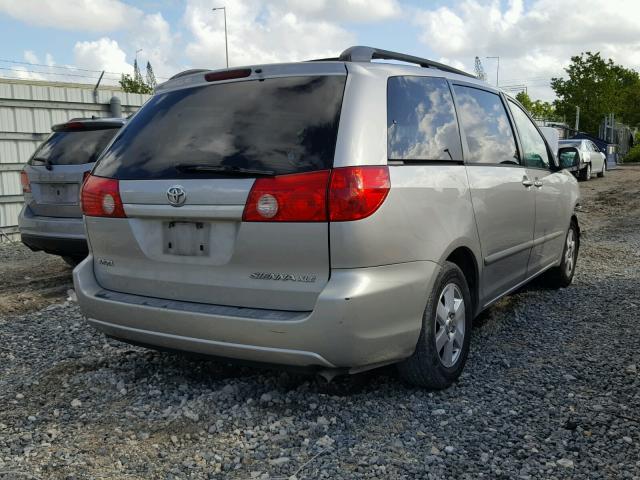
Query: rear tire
point(562, 275)
point(585, 173)
point(604, 170)
point(443, 346)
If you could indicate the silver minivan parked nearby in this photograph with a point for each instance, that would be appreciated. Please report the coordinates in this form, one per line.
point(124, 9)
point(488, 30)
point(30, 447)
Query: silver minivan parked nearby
point(340, 214)
point(51, 218)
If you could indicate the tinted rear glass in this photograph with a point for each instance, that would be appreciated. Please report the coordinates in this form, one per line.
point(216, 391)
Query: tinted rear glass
point(73, 148)
point(281, 125)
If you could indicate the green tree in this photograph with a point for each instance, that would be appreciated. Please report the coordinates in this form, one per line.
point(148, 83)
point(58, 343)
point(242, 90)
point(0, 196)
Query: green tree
point(537, 108)
point(151, 77)
point(524, 98)
point(129, 84)
point(598, 87)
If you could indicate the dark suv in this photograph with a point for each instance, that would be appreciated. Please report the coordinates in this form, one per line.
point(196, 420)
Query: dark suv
point(51, 219)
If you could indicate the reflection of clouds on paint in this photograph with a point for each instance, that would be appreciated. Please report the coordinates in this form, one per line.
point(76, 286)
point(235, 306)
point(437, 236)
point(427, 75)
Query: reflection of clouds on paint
point(486, 126)
point(423, 130)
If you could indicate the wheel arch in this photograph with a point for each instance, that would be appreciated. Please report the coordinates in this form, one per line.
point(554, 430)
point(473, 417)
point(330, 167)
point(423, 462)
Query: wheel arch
point(466, 260)
point(574, 220)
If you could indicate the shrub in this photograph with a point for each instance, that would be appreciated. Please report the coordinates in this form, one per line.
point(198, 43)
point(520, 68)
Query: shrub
point(633, 155)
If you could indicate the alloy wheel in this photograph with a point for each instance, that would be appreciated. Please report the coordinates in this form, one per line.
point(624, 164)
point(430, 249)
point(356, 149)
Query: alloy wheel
point(570, 253)
point(450, 325)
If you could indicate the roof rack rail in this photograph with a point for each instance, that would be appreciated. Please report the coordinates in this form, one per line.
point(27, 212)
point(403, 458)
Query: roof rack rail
point(366, 54)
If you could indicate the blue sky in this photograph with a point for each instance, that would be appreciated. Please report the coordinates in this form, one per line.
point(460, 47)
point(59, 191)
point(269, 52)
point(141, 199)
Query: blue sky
point(534, 38)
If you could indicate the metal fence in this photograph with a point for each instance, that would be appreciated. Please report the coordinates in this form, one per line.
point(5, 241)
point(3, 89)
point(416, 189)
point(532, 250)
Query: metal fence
point(28, 109)
point(617, 132)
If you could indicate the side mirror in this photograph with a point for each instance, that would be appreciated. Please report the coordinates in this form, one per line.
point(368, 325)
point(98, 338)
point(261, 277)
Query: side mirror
point(569, 158)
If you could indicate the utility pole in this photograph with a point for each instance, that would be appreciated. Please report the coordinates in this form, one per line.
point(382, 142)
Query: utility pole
point(226, 43)
point(577, 118)
point(480, 70)
point(497, 68)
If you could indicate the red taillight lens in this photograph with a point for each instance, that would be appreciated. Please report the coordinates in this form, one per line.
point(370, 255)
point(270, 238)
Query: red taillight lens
point(24, 181)
point(299, 197)
point(357, 192)
point(339, 195)
point(101, 198)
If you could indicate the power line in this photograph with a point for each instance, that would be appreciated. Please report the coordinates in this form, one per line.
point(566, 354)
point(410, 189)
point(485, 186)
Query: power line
point(51, 73)
point(65, 67)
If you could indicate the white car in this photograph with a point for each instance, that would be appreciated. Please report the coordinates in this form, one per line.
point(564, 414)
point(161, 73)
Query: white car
point(591, 158)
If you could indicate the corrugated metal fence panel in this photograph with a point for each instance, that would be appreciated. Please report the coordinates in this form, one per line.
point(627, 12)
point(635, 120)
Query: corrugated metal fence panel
point(28, 109)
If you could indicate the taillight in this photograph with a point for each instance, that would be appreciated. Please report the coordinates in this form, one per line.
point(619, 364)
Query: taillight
point(299, 197)
point(24, 181)
point(339, 195)
point(357, 192)
point(101, 198)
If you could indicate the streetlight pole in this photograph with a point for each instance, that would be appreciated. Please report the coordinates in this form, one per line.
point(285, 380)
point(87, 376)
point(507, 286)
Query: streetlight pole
point(497, 68)
point(226, 43)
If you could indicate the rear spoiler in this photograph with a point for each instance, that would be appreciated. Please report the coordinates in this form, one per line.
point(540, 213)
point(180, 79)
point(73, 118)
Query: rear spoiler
point(74, 125)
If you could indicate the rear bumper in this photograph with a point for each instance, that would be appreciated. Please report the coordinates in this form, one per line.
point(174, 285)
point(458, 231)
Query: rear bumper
point(363, 317)
point(56, 235)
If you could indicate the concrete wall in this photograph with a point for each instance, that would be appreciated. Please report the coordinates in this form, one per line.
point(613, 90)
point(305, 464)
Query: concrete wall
point(28, 109)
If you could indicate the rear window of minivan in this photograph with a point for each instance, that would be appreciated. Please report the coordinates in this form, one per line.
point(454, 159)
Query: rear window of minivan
point(73, 147)
point(276, 125)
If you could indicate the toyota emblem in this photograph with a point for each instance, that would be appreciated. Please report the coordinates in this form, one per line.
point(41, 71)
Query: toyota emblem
point(176, 195)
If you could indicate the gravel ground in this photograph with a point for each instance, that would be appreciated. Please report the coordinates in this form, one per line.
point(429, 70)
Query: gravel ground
point(551, 390)
point(30, 280)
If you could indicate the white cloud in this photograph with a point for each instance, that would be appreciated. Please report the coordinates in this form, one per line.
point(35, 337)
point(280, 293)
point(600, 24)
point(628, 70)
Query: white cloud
point(154, 36)
point(30, 56)
point(259, 32)
point(346, 10)
point(534, 42)
point(87, 15)
point(102, 54)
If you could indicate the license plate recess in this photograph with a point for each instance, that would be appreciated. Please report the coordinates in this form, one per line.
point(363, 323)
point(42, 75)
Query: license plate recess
point(186, 238)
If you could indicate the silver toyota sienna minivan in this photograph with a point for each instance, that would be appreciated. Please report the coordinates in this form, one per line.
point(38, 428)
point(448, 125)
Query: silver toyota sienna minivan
point(339, 214)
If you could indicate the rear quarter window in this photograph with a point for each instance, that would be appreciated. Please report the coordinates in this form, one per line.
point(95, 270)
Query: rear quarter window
point(281, 125)
point(73, 148)
point(421, 120)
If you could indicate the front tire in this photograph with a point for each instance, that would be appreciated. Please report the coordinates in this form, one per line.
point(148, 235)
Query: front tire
point(585, 173)
point(562, 275)
point(443, 346)
point(604, 169)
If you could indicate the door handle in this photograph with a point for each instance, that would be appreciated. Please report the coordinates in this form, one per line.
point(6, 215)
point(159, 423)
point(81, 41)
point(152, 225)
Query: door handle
point(526, 182)
point(538, 183)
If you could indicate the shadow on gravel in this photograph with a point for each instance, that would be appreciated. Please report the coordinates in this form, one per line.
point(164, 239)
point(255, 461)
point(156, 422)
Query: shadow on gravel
point(200, 371)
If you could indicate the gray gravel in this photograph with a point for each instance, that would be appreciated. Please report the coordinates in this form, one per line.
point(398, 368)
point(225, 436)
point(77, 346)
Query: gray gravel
point(551, 390)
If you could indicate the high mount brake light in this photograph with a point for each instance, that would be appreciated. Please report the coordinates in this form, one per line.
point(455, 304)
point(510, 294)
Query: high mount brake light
point(338, 195)
point(24, 181)
point(74, 126)
point(101, 198)
point(227, 75)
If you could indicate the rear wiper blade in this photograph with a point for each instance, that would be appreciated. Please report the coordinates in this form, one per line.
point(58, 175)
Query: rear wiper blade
point(224, 169)
point(47, 163)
